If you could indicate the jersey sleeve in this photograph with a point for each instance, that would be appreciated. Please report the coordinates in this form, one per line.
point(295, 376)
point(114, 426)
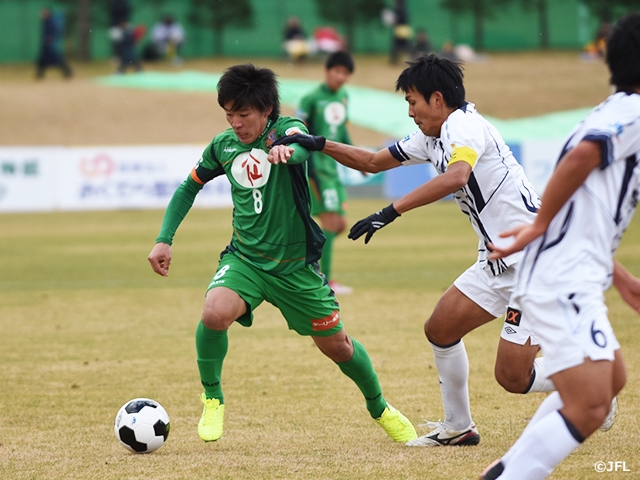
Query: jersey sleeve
point(412, 149)
point(463, 138)
point(179, 205)
point(207, 168)
point(291, 126)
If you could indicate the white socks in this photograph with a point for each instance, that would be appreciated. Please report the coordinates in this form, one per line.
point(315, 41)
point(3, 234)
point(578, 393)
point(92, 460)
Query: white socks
point(550, 404)
point(453, 369)
point(541, 383)
point(541, 447)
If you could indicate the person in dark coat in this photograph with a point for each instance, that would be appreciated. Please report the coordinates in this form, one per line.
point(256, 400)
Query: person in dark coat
point(50, 46)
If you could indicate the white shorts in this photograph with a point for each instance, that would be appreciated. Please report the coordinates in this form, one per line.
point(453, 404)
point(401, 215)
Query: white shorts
point(571, 325)
point(493, 294)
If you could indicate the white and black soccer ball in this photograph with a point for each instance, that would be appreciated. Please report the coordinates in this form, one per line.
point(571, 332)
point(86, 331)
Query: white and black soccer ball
point(142, 425)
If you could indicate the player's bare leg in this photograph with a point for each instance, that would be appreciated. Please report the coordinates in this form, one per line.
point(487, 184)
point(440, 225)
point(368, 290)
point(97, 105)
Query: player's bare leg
point(222, 307)
point(337, 347)
point(453, 317)
point(514, 368)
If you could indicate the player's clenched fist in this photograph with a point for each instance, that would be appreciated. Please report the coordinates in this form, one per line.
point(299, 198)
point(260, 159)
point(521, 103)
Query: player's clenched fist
point(160, 258)
point(279, 154)
point(373, 223)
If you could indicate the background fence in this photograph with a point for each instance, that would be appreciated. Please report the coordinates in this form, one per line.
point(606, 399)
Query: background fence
point(570, 26)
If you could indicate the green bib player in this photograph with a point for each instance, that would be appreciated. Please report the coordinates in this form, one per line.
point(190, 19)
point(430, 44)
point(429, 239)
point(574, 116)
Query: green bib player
point(324, 111)
point(274, 248)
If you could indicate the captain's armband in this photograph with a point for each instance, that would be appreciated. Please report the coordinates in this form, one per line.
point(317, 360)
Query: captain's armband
point(464, 154)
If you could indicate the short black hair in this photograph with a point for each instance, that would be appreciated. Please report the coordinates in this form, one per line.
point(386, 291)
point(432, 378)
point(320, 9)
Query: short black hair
point(430, 73)
point(623, 52)
point(340, 58)
point(249, 86)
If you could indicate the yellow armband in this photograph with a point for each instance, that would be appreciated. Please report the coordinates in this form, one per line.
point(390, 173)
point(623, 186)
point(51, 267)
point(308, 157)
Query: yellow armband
point(464, 154)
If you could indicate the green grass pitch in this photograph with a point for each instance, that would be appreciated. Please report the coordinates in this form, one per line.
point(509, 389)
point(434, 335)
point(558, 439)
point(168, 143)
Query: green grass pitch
point(85, 325)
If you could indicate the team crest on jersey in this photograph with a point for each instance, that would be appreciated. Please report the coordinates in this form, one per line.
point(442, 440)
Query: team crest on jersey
point(269, 138)
point(335, 114)
point(251, 169)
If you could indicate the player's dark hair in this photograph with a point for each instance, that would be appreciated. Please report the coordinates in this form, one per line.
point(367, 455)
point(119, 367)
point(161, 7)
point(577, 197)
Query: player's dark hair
point(430, 73)
point(249, 86)
point(340, 58)
point(623, 52)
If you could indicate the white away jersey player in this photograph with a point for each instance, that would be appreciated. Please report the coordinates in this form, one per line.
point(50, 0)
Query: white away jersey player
point(579, 244)
point(498, 195)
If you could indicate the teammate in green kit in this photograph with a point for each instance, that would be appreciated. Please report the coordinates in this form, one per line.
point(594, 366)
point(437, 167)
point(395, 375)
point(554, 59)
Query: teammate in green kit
point(273, 251)
point(324, 111)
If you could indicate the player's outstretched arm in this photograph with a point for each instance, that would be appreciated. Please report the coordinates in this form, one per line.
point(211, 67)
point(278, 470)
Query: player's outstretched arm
point(627, 284)
point(353, 157)
point(160, 258)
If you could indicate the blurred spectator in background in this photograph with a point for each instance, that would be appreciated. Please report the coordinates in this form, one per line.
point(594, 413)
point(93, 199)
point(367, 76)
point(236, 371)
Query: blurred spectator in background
point(51, 44)
point(328, 40)
point(324, 111)
point(421, 44)
point(402, 32)
point(295, 40)
point(128, 55)
point(168, 37)
point(596, 49)
point(447, 51)
point(119, 13)
point(601, 38)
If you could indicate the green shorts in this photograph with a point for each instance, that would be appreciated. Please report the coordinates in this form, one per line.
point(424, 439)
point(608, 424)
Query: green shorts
point(327, 196)
point(304, 296)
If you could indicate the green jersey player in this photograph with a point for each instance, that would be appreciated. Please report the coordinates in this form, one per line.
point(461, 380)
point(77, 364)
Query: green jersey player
point(324, 111)
point(273, 251)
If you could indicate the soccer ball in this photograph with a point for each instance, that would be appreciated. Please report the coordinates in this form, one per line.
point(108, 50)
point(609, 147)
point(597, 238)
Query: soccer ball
point(142, 425)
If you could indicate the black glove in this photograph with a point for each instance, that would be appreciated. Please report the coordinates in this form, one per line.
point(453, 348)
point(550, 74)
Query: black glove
point(312, 143)
point(373, 223)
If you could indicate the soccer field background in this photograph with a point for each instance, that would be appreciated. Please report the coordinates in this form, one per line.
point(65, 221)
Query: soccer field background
point(85, 325)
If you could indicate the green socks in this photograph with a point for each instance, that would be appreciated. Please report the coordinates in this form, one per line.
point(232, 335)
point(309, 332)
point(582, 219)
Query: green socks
point(211, 346)
point(360, 370)
point(327, 253)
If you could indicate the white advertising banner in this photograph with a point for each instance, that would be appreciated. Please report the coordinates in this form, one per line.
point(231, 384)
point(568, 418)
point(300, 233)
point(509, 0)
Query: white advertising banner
point(27, 178)
point(101, 178)
point(539, 159)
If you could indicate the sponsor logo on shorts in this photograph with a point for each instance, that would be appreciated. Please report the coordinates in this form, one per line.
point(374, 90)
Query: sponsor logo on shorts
point(509, 330)
point(326, 323)
point(513, 317)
